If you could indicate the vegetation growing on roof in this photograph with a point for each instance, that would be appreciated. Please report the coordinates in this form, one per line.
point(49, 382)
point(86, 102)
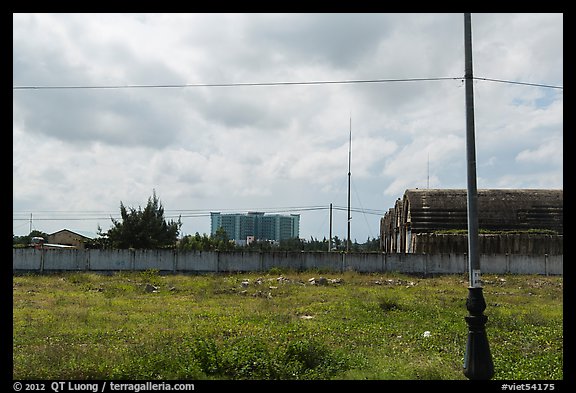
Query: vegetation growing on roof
point(492, 232)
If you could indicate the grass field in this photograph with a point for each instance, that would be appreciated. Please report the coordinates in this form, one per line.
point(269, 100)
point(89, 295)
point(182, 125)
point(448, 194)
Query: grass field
point(279, 325)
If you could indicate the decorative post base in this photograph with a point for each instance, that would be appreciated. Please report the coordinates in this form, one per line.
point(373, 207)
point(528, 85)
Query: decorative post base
point(477, 360)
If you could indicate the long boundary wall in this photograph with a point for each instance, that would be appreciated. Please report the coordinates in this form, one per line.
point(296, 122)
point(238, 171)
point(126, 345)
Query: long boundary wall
point(47, 260)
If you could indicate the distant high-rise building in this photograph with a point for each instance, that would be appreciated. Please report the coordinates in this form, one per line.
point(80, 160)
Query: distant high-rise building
point(257, 225)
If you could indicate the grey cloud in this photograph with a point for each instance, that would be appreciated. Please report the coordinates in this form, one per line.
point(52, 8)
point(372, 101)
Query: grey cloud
point(285, 145)
point(114, 116)
point(263, 43)
point(339, 40)
point(240, 108)
point(85, 117)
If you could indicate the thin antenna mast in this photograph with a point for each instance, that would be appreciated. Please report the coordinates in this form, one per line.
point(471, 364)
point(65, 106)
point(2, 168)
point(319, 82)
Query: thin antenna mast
point(428, 172)
point(349, 173)
point(330, 238)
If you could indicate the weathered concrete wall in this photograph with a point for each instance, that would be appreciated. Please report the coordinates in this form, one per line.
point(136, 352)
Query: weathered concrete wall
point(63, 260)
point(554, 264)
point(194, 261)
point(364, 262)
point(496, 263)
point(237, 261)
point(162, 260)
point(513, 243)
point(283, 260)
point(197, 261)
point(446, 263)
point(406, 263)
point(26, 259)
point(110, 260)
point(322, 261)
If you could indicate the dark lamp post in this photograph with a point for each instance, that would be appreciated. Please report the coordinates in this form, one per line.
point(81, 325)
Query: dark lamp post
point(477, 359)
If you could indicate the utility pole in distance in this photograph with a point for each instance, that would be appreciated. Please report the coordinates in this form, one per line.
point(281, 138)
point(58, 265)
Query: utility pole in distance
point(478, 359)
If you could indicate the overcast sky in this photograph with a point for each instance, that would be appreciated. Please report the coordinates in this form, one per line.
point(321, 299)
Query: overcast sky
point(78, 153)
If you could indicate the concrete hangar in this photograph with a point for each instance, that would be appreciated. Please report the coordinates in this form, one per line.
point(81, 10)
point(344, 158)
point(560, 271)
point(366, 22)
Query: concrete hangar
point(522, 221)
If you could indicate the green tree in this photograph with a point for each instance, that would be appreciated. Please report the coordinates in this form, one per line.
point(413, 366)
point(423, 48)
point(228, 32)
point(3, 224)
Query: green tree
point(191, 243)
point(337, 243)
point(27, 239)
point(221, 241)
point(371, 244)
point(260, 245)
point(197, 243)
point(292, 244)
point(144, 228)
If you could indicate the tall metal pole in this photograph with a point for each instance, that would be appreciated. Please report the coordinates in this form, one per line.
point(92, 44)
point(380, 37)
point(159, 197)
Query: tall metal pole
point(330, 238)
point(478, 360)
point(428, 172)
point(349, 160)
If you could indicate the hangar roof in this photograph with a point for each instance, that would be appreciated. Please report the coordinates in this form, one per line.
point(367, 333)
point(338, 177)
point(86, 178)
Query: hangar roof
point(498, 209)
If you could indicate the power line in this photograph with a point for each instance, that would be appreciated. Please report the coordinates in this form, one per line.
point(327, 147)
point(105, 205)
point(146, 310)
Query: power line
point(363, 212)
point(252, 84)
point(240, 84)
point(175, 213)
point(519, 83)
point(360, 210)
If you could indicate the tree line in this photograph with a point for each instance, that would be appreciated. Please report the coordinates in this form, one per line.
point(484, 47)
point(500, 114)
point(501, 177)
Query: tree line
point(148, 229)
point(219, 241)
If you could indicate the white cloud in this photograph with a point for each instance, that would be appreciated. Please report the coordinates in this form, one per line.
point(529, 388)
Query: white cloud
point(549, 152)
point(267, 146)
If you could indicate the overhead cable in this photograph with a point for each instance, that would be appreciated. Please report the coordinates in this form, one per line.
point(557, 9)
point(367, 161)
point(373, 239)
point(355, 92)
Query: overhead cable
point(252, 84)
point(240, 84)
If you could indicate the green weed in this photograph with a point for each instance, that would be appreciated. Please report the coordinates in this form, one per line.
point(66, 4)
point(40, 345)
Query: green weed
point(278, 326)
